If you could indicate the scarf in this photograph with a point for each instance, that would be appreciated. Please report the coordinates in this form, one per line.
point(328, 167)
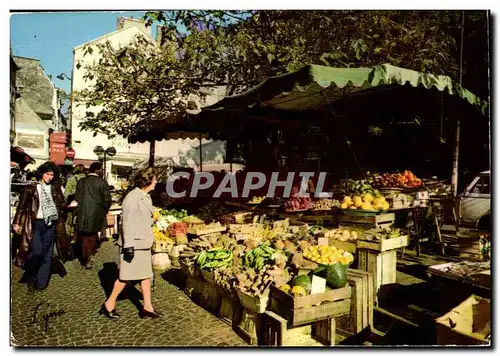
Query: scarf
point(48, 207)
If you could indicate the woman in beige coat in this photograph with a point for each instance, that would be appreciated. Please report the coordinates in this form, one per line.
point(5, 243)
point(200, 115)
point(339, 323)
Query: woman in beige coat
point(135, 249)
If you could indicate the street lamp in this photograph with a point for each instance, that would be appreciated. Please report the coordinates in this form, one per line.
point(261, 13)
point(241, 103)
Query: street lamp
point(62, 75)
point(103, 153)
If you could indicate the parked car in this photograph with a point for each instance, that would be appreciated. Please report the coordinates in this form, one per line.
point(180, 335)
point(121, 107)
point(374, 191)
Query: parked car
point(475, 203)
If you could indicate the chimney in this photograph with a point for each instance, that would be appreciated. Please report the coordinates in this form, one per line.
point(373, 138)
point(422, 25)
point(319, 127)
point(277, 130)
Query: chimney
point(123, 22)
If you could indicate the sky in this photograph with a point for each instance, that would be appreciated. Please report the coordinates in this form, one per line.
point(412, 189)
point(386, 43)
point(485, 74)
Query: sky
point(51, 37)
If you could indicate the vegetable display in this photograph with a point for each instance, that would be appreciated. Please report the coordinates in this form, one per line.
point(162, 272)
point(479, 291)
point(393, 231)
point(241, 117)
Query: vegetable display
point(296, 203)
point(214, 258)
point(260, 256)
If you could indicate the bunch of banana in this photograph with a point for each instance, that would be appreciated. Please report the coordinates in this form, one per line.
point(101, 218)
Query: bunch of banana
point(214, 258)
point(260, 256)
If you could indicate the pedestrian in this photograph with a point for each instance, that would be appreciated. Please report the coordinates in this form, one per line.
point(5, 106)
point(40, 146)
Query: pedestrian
point(135, 248)
point(69, 195)
point(39, 219)
point(94, 200)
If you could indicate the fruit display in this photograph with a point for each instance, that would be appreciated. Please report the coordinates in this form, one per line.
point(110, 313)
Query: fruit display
point(317, 230)
point(256, 200)
point(365, 202)
point(177, 228)
point(342, 234)
point(396, 180)
point(326, 255)
point(303, 281)
point(326, 204)
point(259, 257)
point(177, 214)
point(298, 203)
point(360, 187)
point(382, 234)
point(214, 258)
point(212, 211)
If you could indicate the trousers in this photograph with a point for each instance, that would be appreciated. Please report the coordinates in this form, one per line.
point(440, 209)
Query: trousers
point(88, 242)
point(37, 266)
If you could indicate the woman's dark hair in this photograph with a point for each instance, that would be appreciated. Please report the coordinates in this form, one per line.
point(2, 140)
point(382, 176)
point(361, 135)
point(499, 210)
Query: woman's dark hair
point(79, 168)
point(48, 167)
point(144, 177)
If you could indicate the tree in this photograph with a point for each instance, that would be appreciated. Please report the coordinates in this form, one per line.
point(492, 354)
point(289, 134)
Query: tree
point(239, 49)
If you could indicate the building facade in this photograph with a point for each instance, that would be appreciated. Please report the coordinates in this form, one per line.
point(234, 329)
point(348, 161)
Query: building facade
point(35, 109)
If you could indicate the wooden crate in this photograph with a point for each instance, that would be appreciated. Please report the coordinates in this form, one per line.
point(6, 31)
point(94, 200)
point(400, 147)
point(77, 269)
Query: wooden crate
point(208, 276)
point(276, 332)
point(325, 330)
point(369, 222)
point(201, 230)
point(257, 304)
point(210, 298)
point(467, 324)
point(230, 311)
point(249, 326)
point(384, 245)
point(194, 287)
point(310, 308)
point(344, 245)
point(474, 248)
point(370, 294)
point(362, 299)
point(382, 265)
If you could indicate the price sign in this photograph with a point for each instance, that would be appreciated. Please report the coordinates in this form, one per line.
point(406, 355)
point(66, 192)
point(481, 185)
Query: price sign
point(318, 285)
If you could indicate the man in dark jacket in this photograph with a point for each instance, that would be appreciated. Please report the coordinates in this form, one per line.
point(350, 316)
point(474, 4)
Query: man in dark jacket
point(94, 200)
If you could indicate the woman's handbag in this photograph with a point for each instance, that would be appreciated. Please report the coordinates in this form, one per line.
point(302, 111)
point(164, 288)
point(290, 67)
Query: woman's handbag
point(128, 254)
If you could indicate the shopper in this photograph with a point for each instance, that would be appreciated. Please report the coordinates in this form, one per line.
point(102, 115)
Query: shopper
point(135, 248)
point(69, 195)
point(94, 200)
point(40, 217)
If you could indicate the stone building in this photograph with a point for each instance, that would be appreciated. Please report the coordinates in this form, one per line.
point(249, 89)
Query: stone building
point(36, 108)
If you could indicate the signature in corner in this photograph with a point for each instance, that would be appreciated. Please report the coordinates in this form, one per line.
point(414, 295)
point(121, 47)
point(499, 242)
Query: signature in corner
point(45, 317)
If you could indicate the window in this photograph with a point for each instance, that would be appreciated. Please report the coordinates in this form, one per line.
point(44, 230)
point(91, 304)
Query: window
point(482, 186)
point(120, 174)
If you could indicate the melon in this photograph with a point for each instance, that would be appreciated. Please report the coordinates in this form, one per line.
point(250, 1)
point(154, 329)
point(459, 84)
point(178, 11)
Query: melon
point(303, 281)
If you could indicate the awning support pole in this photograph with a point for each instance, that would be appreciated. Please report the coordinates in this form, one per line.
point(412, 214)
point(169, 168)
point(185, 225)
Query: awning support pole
point(152, 145)
point(201, 158)
point(454, 174)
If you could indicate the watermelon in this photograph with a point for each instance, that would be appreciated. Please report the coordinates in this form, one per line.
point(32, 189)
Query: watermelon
point(304, 281)
point(335, 274)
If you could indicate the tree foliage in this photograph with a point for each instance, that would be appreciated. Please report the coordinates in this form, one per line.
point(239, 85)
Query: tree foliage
point(238, 49)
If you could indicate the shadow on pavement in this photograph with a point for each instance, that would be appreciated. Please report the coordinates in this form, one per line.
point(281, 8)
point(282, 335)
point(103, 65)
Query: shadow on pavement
point(109, 274)
point(57, 267)
point(176, 277)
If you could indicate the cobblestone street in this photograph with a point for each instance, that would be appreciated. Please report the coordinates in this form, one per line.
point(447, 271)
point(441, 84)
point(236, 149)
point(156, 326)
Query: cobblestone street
point(66, 313)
